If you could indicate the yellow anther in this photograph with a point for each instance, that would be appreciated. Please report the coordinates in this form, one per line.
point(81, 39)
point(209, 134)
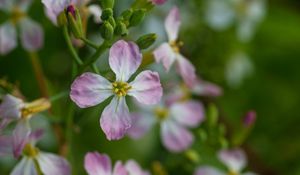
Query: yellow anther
point(121, 88)
point(176, 46)
point(233, 173)
point(30, 150)
point(161, 113)
point(16, 15)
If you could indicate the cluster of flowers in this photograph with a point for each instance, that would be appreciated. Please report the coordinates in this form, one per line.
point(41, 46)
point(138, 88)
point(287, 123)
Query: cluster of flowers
point(175, 112)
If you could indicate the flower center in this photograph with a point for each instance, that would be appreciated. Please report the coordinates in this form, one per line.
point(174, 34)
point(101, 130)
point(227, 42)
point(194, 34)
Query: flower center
point(121, 88)
point(175, 45)
point(17, 15)
point(36, 106)
point(161, 113)
point(30, 150)
point(233, 173)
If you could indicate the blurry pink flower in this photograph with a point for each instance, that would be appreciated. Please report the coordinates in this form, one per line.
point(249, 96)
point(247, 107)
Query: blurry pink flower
point(31, 33)
point(249, 119)
point(55, 7)
point(168, 53)
point(235, 161)
point(100, 164)
point(158, 2)
point(49, 163)
point(91, 89)
point(174, 120)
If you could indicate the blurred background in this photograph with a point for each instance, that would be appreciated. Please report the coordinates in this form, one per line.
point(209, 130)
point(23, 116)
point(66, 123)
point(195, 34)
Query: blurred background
point(261, 74)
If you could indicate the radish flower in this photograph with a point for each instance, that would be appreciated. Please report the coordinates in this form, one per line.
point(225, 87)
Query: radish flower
point(91, 89)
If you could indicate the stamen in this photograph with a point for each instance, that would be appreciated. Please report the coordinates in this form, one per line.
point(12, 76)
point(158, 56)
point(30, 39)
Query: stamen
point(161, 113)
point(121, 88)
point(30, 150)
point(36, 106)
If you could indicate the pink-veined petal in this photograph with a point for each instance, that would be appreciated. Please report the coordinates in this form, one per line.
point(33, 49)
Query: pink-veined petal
point(208, 170)
point(54, 8)
point(115, 119)
point(96, 164)
point(206, 89)
point(119, 169)
point(234, 159)
point(10, 108)
point(96, 12)
point(172, 24)
point(90, 89)
point(52, 164)
point(25, 167)
point(124, 59)
point(21, 135)
point(187, 71)
point(5, 145)
point(133, 168)
point(8, 38)
point(166, 55)
point(32, 35)
point(141, 124)
point(158, 2)
point(146, 88)
point(175, 137)
point(189, 113)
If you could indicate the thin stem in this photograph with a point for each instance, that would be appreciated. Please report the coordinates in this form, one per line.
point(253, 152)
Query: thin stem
point(89, 43)
point(38, 72)
point(71, 47)
point(59, 96)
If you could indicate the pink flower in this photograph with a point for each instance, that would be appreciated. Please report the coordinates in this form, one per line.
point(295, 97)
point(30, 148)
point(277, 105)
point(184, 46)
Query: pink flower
point(235, 161)
point(91, 89)
point(158, 2)
point(55, 7)
point(31, 33)
point(169, 53)
point(100, 164)
point(174, 120)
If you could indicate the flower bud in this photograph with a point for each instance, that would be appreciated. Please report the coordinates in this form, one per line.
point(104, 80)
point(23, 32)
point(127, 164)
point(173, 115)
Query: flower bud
point(107, 4)
point(127, 14)
point(137, 17)
point(107, 30)
point(62, 19)
point(121, 29)
point(146, 41)
point(74, 21)
point(112, 21)
point(106, 14)
point(212, 115)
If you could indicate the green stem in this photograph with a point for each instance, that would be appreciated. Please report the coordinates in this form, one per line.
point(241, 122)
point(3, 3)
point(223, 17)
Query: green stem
point(70, 45)
point(59, 96)
point(89, 43)
point(37, 167)
point(38, 72)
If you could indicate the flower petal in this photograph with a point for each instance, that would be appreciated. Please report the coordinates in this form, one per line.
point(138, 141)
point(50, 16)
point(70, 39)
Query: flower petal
point(10, 108)
point(8, 38)
point(21, 135)
point(175, 137)
point(166, 55)
point(6, 5)
point(25, 167)
point(54, 8)
point(32, 35)
point(206, 89)
point(115, 119)
point(96, 164)
point(189, 113)
point(23, 4)
point(119, 169)
point(186, 70)
point(90, 89)
point(208, 170)
point(96, 12)
point(124, 59)
point(134, 169)
point(172, 24)
point(234, 159)
point(5, 145)
point(146, 88)
point(141, 124)
point(51, 164)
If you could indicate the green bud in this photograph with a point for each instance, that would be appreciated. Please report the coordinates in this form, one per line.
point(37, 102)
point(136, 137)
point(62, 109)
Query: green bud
point(107, 4)
point(137, 17)
point(112, 21)
point(146, 41)
point(212, 115)
point(74, 21)
point(193, 156)
point(106, 14)
point(121, 29)
point(127, 14)
point(107, 30)
point(62, 19)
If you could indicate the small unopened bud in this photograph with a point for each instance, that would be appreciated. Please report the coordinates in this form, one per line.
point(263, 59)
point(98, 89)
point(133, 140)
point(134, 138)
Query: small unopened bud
point(107, 30)
point(62, 19)
point(112, 21)
point(146, 41)
point(249, 119)
point(193, 156)
point(107, 4)
point(212, 115)
point(127, 14)
point(74, 20)
point(137, 17)
point(121, 29)
point(106, 13)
